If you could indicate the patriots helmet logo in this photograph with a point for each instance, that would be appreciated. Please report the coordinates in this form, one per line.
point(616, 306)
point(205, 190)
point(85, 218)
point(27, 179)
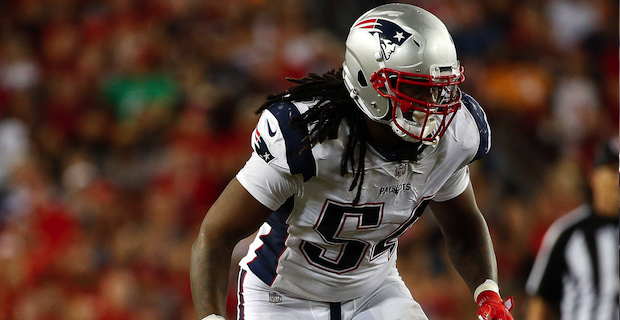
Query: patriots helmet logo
point(390, 34)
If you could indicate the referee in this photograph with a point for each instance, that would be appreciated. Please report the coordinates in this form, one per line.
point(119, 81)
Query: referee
point(575, 275)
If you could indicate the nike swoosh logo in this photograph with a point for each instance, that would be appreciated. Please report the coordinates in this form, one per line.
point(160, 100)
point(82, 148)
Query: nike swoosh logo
point(271, 133)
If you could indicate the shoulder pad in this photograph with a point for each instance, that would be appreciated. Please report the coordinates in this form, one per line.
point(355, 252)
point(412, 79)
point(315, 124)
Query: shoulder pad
point(298, 149)
point(483, 125)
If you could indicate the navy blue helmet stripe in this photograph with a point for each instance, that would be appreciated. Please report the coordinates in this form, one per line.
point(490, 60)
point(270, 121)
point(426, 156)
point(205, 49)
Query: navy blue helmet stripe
point(298, 153)
point(266, 262)
point(483, 125)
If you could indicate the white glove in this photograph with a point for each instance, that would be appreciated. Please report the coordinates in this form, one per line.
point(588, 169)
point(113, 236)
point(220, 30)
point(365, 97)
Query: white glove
point(213, 317)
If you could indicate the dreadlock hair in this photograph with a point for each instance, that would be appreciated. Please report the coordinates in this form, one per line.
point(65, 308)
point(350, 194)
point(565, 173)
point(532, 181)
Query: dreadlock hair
point(334, 105)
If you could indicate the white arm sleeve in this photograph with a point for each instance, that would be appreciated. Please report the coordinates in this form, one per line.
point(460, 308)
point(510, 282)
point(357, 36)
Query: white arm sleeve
point(455, 185)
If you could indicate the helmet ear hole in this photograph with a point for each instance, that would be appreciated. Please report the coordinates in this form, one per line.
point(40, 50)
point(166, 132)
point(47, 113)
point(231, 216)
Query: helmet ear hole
point(361, 79)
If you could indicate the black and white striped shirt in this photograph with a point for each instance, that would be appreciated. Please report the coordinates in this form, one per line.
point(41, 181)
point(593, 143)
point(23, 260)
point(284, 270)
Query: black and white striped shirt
point(577, 266)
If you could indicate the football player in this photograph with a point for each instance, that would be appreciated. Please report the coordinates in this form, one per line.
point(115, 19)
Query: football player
point(344, 164)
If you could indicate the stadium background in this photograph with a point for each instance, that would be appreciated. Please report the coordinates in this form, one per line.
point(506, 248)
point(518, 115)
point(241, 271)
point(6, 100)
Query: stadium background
point(122, 120)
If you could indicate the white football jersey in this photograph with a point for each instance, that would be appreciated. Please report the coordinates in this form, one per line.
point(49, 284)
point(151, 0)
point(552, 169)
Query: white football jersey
point(317, 245)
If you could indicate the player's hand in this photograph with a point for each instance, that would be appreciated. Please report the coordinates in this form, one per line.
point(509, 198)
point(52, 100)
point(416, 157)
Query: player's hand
point(491, 307)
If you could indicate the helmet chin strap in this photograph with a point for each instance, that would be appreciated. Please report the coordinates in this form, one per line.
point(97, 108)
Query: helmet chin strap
point(399, 122)
point(401, 134)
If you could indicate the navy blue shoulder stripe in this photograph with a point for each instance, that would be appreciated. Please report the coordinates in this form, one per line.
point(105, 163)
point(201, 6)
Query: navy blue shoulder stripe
point(298, 152)
point(483, 125)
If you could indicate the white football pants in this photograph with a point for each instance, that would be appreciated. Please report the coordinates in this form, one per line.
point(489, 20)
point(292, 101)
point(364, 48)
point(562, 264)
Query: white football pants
point(390, 301)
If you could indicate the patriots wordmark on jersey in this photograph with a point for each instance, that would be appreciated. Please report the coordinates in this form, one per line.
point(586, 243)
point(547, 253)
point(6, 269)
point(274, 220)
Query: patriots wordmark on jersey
point(317, 244)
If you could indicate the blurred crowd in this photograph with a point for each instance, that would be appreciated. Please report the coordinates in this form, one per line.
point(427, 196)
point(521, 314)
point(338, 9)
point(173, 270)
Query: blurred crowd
point(122, 120)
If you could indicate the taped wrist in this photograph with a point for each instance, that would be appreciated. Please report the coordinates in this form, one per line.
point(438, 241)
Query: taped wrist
point(485, 286)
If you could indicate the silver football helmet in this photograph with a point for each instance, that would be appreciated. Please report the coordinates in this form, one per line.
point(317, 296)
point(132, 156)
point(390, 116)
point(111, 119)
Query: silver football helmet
point(401, 69)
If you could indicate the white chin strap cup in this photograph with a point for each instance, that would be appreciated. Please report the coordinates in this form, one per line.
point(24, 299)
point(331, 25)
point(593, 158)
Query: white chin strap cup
point(413, 128)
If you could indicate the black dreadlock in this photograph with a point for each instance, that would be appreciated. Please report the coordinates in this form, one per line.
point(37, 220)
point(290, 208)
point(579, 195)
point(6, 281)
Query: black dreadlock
point(334, 106)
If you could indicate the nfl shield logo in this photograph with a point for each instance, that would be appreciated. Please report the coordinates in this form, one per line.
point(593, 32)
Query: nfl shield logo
point(400, 169)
